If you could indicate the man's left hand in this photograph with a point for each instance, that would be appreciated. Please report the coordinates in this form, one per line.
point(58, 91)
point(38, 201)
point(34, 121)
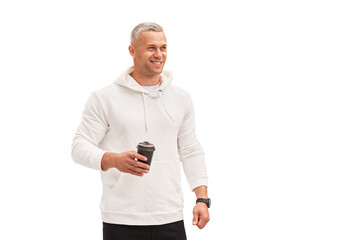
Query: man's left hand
point(201, 215)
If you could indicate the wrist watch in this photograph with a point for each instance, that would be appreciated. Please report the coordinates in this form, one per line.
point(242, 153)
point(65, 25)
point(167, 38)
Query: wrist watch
point(204, 200)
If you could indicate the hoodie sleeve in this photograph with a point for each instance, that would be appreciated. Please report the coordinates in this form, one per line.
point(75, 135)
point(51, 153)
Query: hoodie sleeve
point(90, 132)
point(190, 150)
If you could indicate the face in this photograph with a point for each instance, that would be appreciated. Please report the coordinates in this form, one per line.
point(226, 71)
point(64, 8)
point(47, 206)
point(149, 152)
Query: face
point(149, 53)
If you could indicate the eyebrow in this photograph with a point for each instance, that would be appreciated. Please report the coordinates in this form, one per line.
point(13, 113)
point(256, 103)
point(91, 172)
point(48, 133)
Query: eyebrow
point(153, 44)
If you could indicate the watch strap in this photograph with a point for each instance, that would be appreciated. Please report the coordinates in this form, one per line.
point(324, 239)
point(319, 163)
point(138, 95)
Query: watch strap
point(204, 200)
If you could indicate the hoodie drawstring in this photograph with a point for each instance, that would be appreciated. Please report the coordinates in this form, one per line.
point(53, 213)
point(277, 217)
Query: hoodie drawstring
point(162, 103)
point(146, 120)
point(145, 110)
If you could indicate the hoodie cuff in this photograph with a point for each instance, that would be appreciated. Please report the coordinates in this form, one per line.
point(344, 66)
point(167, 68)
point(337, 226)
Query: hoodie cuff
point(96, 159)
point(198, 182)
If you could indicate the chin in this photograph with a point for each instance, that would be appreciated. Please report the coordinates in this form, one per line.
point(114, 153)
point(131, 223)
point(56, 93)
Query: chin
point(157, 71)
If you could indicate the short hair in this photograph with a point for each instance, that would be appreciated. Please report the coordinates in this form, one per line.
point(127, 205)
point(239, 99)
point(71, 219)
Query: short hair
point(144, 27)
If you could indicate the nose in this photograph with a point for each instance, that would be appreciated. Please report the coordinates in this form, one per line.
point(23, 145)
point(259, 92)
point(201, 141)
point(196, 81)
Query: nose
point(157, 53)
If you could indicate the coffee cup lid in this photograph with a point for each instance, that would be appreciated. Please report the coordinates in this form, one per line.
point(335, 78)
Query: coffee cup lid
point(146, 146)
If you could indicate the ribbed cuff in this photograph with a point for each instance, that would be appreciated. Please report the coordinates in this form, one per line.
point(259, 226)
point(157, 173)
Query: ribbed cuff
point(96, 159)
point(198, 182)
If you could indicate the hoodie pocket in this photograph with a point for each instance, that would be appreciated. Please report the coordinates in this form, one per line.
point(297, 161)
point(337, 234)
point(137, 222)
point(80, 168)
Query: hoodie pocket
point(124, 194)
point(164, 182)
point(156, 192)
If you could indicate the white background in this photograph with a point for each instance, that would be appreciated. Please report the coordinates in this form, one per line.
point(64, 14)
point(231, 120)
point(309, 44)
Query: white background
point(276, 91)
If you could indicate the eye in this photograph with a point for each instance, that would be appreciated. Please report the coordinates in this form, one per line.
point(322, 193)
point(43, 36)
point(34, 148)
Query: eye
point(163, 48)
point(151, 48)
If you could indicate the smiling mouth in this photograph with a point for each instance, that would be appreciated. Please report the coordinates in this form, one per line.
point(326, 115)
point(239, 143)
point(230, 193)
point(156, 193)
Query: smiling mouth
point(156, 62)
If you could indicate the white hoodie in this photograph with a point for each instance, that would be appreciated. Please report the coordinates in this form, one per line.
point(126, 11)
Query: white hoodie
point(118, 117)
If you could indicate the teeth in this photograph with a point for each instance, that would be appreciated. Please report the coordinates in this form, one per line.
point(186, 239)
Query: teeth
point(157, 62)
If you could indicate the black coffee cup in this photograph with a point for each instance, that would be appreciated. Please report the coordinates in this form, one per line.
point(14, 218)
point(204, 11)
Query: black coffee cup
point(146, 149)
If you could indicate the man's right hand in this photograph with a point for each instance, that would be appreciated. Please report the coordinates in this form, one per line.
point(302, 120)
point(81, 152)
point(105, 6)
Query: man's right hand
point(125, 162)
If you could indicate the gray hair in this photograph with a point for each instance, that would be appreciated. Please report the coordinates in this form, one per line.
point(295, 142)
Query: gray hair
point(144, 27)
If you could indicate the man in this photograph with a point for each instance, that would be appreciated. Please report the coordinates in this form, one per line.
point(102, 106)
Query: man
point(138, 201)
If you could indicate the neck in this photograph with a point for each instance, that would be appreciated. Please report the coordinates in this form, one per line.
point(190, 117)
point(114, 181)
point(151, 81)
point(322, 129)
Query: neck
point(144, 80)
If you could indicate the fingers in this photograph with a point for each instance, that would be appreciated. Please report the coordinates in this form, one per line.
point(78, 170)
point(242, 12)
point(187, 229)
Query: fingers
point(135, 167)
point(125, 162)
point(134, 154)
point(195, 218)
point(140, 165)
point(143, 168)
point(135, 173)
point(135, 170)
point(201, 217)
point(202, 222)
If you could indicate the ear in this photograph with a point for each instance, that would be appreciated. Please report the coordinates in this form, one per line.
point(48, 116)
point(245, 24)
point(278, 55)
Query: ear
point(132, 50)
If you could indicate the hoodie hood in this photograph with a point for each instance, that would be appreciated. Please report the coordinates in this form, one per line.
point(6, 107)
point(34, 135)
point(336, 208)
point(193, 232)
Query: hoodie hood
point(127, 81)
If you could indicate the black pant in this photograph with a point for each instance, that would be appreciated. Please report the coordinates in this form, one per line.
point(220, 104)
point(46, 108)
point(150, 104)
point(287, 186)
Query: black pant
point(170, 231)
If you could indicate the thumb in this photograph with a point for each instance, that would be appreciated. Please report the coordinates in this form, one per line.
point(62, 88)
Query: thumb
point(195, 218)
